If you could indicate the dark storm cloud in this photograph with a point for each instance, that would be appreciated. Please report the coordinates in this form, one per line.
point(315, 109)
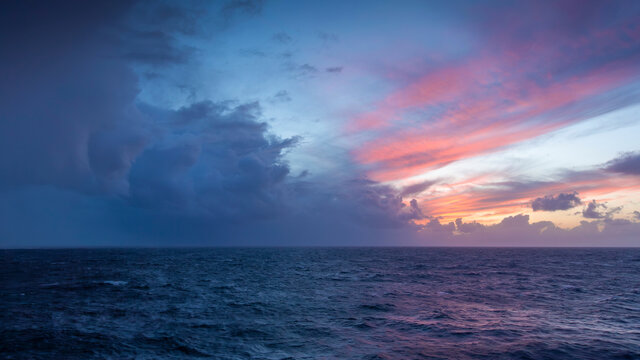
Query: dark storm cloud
point(213, 160)
point(73, 122)
point(628, 163)
point(369, 204)
point(111, 154)
point(33, 25)
point(562, 201)
point(63, 85)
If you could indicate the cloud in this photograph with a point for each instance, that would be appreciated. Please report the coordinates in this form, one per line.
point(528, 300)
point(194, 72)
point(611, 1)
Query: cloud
point(252, 53)
point(417, 188)
point(512, 230)
point(184, 19)
point(155, 48)
point(85, 161)
point(282, 38)
point(519, 220)
point(154, 33)
point(111, 154)
point(479, 193)
point(415, 212)
point(281, 97)
point(468, 227)
point(485, 101)
point(369, 204)
point(301, 70)
point(636, 215)
point(214, 160)
point(246, 7)
point(306, 68)
point(328, 37)
point(562, 201)
point(70, 121)
point(627, 163)
point(75, 123)
point(435, 227)
point(592, 210)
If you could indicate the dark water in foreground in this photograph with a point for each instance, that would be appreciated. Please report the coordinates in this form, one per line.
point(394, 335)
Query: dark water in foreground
point(360, 303)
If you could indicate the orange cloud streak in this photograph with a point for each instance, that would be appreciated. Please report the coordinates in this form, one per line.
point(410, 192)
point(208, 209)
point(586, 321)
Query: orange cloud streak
point(484, 201)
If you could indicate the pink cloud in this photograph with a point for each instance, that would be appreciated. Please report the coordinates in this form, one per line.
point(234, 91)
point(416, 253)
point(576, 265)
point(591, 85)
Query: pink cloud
point(477, 107)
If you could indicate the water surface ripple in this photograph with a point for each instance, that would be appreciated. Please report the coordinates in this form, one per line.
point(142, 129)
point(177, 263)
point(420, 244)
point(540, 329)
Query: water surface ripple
point(331, 303)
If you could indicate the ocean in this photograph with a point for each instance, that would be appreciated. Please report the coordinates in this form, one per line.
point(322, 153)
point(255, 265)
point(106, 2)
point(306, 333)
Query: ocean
point(320, 303)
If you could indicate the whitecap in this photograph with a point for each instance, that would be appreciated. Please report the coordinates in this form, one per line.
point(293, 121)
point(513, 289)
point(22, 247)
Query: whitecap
point(115, 282)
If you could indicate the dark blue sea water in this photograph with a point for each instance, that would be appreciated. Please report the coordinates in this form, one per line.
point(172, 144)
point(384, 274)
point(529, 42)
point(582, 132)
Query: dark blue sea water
point(307, 303)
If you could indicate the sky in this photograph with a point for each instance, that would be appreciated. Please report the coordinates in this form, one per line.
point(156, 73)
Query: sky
point(319, 123)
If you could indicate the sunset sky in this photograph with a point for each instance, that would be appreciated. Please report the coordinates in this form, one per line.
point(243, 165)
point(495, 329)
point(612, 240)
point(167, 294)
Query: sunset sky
point(497, 123)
